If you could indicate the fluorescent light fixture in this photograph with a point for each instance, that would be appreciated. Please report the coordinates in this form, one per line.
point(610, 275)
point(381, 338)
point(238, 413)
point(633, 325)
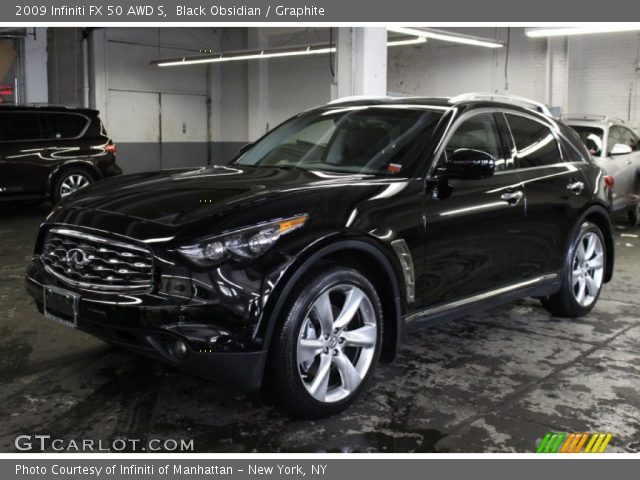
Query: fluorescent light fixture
point(411, 41)
point(563, 31)
point(250, 56)
point(236, 57)
point(447, 36)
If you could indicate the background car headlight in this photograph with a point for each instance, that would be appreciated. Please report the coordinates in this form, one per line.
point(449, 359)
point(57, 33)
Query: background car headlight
point(245, 243)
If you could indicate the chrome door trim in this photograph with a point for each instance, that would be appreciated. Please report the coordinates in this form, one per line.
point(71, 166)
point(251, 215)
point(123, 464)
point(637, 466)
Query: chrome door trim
point(479, 297)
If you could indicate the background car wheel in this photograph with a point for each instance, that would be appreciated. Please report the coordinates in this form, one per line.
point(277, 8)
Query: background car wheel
point(633, 215)
point(329, 343)
point(582, 276)
point(69, 181)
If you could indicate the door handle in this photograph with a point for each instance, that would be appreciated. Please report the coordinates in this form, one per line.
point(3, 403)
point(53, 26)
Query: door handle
point(575, 187)
point(512, 198)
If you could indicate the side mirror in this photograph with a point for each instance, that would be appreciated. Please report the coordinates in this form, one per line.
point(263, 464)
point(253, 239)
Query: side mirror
point(469, 164)
point(620, 149)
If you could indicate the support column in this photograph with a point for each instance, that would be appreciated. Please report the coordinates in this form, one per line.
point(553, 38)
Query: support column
point(557, 75)
point(36, 86)
point(361, 62)
point(258, 87)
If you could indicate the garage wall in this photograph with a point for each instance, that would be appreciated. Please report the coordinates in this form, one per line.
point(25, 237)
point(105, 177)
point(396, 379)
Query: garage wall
point(229, 99)
point(604, 75)
point(159, 117)
point(445, 69)
point(297, 86)
point(591, 73)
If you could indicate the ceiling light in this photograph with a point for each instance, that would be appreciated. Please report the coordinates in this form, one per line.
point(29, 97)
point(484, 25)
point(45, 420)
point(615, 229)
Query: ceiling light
point(262, 54)
point(251, 56)
point(411, 41)
point(448, 36)
point(562, 31)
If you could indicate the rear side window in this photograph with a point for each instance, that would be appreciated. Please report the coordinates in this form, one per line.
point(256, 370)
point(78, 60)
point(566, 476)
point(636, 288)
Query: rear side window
point(615, 137)
point(629, 138)
point(16, 126)
point(592, 138)
point(535, 143)
point(63, 125)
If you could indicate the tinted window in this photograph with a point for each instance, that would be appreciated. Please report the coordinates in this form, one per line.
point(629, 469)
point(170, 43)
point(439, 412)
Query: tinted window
point(384, 141)
point(19, 126)
point(615, 137)
point(535, 144)
point(592, 138)
point(629, 138)
point(569, 153)
point(63, 125)
point(479, 132)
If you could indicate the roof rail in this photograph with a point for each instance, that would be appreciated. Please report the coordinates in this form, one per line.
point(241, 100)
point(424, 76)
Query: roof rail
point(352, 98)
point(35, 104)
point(516, 100)
point(590, 116)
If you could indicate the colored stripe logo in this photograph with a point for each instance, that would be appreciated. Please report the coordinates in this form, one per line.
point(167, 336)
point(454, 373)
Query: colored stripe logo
point(558, 442)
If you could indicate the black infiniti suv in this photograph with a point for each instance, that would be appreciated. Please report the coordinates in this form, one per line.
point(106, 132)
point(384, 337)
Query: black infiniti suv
point(50, 152)
point(305, 259)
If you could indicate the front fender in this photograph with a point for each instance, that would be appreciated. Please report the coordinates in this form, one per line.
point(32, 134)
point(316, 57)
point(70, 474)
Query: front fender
point(276, 299)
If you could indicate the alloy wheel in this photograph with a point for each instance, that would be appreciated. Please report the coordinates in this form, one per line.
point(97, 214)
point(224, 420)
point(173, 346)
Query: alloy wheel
point(588, 269)
point(337, 343)
point(73, 183)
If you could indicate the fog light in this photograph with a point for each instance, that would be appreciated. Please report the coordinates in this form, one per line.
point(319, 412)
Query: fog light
point(180, 349)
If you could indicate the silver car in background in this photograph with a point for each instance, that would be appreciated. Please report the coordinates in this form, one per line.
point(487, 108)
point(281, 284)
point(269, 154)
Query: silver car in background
point(615, 148)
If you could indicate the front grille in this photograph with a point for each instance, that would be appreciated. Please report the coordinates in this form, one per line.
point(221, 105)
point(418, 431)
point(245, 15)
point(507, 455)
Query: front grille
point(96, 263)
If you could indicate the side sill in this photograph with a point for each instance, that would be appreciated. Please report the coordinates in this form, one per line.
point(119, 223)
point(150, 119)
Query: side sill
point(542, 286)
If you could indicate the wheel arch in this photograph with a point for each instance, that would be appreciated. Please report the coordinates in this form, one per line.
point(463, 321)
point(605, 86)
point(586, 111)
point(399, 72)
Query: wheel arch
point(76, 163)
point(601, 217)
point(361, 254)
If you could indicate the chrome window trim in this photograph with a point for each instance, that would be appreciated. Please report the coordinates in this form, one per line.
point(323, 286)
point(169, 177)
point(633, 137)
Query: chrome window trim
point(454, 124)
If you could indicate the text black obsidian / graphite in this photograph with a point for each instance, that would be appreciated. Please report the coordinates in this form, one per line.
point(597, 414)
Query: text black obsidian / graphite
point(247, 11)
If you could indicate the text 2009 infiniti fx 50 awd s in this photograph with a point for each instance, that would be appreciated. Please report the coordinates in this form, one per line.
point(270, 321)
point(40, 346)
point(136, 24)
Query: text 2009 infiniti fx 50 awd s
point(306, 258)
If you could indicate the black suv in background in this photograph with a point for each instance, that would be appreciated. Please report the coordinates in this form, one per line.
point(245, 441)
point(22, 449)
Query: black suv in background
point(305, 259)
point(51, 152)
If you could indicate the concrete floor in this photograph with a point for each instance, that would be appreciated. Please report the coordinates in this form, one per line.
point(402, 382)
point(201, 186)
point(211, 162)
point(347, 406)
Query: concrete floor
point(493, 382)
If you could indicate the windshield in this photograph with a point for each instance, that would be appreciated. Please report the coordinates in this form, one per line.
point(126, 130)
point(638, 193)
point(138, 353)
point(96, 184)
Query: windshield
point(592, 138)
point(369, 140)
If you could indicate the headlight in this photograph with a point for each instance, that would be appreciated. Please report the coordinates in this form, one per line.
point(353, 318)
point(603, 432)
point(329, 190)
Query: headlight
point(245, 243)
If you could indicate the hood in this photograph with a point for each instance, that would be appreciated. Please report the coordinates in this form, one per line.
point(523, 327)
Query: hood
point(178, 199)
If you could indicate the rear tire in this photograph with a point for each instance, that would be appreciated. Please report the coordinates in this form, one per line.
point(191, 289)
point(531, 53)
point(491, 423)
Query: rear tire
point(583, 274)
point(329, 344)
point(633, 214)
point(69, 181)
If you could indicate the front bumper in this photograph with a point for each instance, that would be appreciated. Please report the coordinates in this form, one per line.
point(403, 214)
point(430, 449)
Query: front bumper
point(201, 338)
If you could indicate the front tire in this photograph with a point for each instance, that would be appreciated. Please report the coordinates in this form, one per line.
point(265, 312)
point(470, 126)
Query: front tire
point(583, 274)
point(329, 343)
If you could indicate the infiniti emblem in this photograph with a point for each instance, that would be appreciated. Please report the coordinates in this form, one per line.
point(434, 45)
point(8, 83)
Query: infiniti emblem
point(77, 258)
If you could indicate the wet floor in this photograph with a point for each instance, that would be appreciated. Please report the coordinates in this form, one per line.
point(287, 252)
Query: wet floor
point(497, 381)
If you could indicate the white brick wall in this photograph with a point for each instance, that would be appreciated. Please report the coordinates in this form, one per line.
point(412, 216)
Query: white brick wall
point(589, 74)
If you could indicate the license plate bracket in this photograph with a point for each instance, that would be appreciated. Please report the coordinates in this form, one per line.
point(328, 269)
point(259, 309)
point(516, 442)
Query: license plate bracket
point(61, 306)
